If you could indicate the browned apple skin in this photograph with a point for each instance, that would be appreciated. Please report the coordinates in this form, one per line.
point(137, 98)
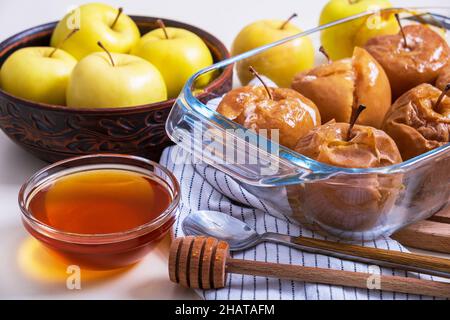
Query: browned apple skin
point(414, 124)
point(444, 78)
point(335, 86)
point(407, 67)
point(287, 112)
point(331, 87)
point(349, 203)
point(367, 148)
point(431, 185)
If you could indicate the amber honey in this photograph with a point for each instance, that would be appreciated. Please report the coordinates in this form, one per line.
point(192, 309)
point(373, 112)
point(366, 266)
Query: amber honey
point(101, 218)
point(100, 201)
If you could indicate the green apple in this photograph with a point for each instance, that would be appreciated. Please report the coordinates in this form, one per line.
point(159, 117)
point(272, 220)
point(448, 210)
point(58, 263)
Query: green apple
point(384, 24)
point(97, 22)
point(177, 53)
point(110, 80)
point(38, 74)
point(339, 41)
point(280, 63)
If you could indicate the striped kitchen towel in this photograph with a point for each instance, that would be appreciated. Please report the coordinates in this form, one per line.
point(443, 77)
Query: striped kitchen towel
point(205, 188)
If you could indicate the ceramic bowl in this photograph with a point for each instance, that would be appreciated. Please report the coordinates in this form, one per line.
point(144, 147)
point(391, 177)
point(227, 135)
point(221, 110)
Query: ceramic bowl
point(54, 132)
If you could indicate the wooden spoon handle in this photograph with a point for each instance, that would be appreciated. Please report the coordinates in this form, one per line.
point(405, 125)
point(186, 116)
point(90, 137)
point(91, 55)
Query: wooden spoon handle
point(339, 277)
point(386, 258)
point(200, 262)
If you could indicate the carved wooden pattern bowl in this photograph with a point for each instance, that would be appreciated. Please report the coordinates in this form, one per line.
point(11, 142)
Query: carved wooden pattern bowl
point(56, 132)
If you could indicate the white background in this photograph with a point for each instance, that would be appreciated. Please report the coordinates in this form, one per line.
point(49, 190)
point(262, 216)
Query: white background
point(147, 280)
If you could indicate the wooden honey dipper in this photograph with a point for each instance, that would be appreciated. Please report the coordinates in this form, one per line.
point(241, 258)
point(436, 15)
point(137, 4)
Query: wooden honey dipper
point(203, 263)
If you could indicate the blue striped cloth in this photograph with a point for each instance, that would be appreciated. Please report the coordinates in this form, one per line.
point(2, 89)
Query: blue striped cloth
point(205, 188)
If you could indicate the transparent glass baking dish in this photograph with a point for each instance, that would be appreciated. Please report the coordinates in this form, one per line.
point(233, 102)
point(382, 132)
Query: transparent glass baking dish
point(347, 203)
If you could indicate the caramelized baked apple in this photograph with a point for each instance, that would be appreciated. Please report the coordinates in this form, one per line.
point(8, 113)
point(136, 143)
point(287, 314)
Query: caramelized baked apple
point(419, 121)
point(416, 58)
point(338, 87)
point(346, 202)
point(261, 107)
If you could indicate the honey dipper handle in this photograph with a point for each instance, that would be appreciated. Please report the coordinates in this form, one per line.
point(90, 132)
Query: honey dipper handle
point(386, 258)
point(339, 277)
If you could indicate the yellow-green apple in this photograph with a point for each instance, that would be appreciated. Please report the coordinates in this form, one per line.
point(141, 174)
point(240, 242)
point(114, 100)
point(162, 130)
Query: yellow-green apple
point(38, 74)
point(376, 25)
point(280, 63)
point(108, 80)
point(177, 53)
point(339, 41)
point(97, 22)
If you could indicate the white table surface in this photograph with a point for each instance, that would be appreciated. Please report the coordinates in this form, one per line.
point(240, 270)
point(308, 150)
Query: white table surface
point(27, 271)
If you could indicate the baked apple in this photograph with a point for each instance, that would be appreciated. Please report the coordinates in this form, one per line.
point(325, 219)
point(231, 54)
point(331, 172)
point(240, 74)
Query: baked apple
point(414, 56)
point(419, 121)
point(444, 78)
point(261, 107)
point(338, 87)
point(346, 202)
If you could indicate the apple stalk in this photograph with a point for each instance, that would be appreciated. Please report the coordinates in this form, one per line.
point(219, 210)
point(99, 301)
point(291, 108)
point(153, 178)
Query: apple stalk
point(325, 53)
point(353, 119)
point(294, 15)
point(61, 43)
point(256, 74)
point(107, 52)
point(163, 27)
point(441, 97)
point(119, 12)
point(397, 17)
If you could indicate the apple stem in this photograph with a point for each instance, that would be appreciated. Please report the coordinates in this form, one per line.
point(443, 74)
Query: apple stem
point(353, 1)
point(354, 117)
point(256, 74)
point(163, 27)
point(294, 15)
point(325, 53)
point(107, 52)
point(119, 12)
point(397, 17)
point(61, 43)
point(441, 97)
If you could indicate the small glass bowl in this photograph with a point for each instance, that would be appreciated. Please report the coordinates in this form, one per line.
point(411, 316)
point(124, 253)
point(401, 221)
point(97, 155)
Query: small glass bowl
point(108, 250)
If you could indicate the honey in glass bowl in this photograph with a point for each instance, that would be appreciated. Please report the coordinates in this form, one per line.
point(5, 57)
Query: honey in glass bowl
point(99, 201)
point(100, 211)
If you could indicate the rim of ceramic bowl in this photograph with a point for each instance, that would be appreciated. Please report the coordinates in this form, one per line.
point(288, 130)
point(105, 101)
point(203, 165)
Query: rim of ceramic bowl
point(34, 183)
point(46, 29)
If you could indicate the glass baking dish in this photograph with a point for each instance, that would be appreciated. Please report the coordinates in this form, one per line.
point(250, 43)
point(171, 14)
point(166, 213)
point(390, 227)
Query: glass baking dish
point(347, 203)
